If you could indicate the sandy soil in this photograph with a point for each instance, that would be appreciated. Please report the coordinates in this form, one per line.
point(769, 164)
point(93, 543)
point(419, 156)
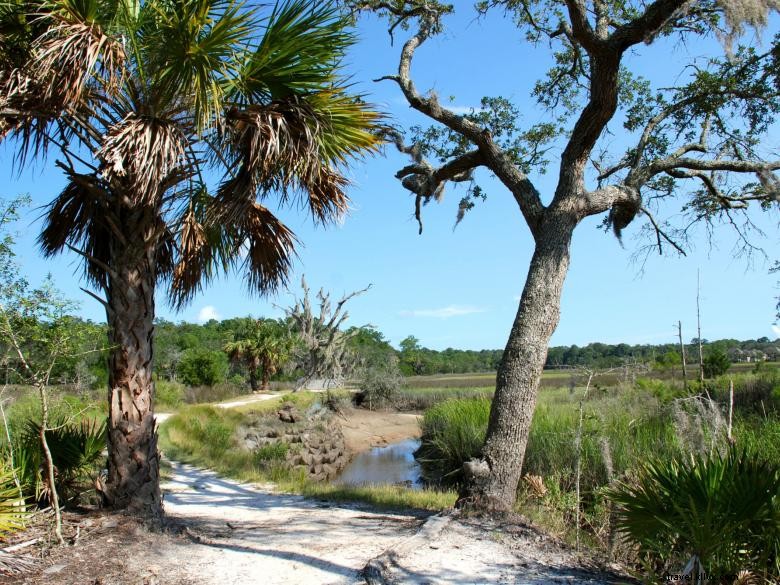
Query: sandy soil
point(364, 429)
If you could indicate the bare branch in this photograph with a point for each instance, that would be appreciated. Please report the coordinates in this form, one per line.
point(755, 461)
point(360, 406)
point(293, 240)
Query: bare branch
point(661, 235)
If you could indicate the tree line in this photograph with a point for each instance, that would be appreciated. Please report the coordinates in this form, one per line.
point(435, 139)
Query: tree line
point(198, 354)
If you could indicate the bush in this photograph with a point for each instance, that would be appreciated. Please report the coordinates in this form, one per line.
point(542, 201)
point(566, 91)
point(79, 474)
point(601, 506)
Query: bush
point(168, 393)
point(76, 451)
point(201, 367)
point(453, 432)
point(722, 510)
point(380, 386)
point(716, 363)
point(12, 509)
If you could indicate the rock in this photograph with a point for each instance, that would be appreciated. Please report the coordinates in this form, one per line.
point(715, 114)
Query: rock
point(289, 414)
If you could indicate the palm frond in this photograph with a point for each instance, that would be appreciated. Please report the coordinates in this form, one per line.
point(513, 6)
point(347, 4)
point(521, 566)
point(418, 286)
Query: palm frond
point(191, 52)
point(349, 125)
point(270, 249)
point(301, 48)
point(12, 509)
point(70, 53)
point(205, 244)
point(74, 219)
point(276, 149)
point(141, 153)
point(53, 68)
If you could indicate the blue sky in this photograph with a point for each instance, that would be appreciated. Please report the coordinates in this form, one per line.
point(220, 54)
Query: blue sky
point(460, 288)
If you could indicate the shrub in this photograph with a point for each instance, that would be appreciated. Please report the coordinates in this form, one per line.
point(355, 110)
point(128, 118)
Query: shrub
point(716, 363)
point(12, 509)
point(168, 393)
point(76, 450)
point(453, 432)
point(380, 385)
point(722, 512)
point(201, 367)
point(276, 451)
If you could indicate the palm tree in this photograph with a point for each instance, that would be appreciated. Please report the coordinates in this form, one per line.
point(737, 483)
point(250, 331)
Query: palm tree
point(265, 345)
point(142, 101)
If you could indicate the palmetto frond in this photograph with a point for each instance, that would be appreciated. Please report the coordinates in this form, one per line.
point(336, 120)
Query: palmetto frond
point(66, 50)
point(213, 236)
point(141, 153)
point(298, 54)
point(77, 218)
point(191, 49)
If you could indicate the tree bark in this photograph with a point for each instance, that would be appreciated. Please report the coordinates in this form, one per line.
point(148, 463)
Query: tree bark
point(266, 375)
point(491, 482)
point(253, 379)
point(133, 459)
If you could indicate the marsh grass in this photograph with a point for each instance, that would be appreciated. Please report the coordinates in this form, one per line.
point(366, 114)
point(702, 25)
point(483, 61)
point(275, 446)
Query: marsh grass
point(383, 496)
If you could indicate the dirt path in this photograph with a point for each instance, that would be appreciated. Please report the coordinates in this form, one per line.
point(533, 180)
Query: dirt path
point(244, 535)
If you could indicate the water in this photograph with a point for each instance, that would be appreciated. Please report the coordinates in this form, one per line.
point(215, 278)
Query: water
point(394, 464)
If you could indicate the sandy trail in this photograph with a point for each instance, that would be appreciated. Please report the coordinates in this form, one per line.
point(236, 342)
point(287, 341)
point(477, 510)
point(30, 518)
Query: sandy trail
point(244, 535)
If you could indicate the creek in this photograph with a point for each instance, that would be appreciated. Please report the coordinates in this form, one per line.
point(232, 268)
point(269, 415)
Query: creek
point(393, 464)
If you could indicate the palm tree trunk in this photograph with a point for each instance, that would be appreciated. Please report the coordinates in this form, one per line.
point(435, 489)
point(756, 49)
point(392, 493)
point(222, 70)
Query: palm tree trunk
point(491, 482)
point(266, 375)
point(253, 379)
point(133, 460)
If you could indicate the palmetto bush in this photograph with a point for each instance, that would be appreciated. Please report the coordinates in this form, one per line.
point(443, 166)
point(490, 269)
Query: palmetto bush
point(76, 450)
point(712, 513)
point(12, 509)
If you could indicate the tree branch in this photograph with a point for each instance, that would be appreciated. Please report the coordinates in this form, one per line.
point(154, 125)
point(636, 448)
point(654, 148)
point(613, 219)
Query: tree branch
point(646, 26)
point(494, 157)
point(661, 234)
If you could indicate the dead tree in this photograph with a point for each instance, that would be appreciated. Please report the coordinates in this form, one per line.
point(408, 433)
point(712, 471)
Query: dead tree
point(324, 352)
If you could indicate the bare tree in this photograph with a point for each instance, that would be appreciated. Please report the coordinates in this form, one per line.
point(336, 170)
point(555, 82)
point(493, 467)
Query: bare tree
point(324, 351)
point(705, 132)
point(682, 355)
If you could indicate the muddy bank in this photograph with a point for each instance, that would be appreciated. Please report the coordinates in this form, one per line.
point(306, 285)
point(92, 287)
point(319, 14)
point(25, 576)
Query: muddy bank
point(364, 429)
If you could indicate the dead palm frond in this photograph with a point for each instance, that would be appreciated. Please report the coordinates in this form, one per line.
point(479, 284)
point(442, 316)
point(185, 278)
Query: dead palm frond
point(278, 149)
point(77, 218)
point(270, 248)
point(71, 53)
point(140, 153)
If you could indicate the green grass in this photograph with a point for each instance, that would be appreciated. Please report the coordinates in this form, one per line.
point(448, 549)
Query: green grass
point(383, 496)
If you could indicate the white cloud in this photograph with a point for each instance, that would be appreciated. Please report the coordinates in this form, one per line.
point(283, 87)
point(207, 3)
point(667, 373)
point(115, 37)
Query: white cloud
point(776, 329)
point(208, 313)
point(444, 312)
point(516, 298)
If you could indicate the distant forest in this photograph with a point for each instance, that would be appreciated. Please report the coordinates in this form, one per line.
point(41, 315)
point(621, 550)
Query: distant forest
point(194, 354)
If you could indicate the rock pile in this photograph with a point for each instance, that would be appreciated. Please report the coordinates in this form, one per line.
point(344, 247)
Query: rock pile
point(315, 441)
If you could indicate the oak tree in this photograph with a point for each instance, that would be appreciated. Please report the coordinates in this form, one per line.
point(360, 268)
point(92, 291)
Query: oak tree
point(699, 143)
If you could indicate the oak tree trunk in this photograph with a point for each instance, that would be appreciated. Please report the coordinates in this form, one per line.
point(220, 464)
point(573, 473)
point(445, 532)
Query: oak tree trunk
point(491, 482)
point(133, 460)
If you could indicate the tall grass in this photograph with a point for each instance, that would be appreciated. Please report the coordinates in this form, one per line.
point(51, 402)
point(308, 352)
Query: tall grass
point(452, 432)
